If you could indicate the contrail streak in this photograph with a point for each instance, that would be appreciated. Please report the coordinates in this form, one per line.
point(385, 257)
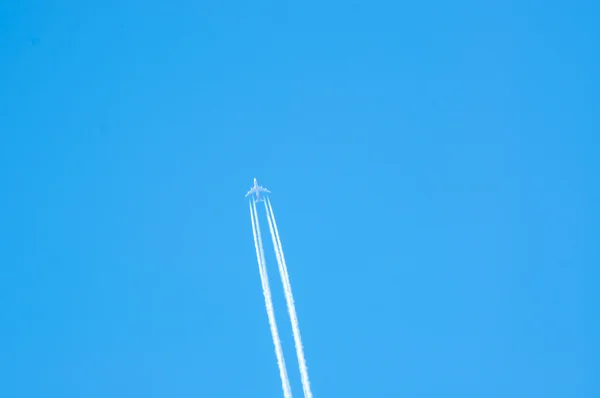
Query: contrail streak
point(260, 256)
point(289, 297)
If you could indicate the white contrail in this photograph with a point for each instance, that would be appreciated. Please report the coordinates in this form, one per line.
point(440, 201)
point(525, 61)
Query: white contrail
point(289, 298)
point(260, 256)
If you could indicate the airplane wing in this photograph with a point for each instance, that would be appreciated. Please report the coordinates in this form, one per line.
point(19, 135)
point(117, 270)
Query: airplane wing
point(249, 192)
point(261, 189)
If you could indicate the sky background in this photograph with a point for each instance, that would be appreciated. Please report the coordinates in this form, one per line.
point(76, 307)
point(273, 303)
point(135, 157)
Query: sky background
point(434, 170)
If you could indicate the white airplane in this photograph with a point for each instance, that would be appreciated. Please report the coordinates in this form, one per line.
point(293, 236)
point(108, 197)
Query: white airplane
point(257, 189)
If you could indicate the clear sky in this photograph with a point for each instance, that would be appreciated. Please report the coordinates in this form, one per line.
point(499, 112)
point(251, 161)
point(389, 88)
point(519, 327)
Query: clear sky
point(434, 170)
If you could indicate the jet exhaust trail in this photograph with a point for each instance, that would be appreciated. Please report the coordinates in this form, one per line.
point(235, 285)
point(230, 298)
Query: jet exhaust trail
point(287, 288)
point(260, 256)
point(289, 297)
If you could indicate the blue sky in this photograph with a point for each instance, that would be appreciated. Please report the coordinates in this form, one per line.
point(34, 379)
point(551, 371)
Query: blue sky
point(434, 175)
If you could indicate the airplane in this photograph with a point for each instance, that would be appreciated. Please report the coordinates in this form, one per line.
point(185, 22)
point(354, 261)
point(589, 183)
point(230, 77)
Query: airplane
point(257, 189)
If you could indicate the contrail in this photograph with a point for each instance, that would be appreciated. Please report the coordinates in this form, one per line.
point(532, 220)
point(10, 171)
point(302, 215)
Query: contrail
point(260, 257)
point(289, 297)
